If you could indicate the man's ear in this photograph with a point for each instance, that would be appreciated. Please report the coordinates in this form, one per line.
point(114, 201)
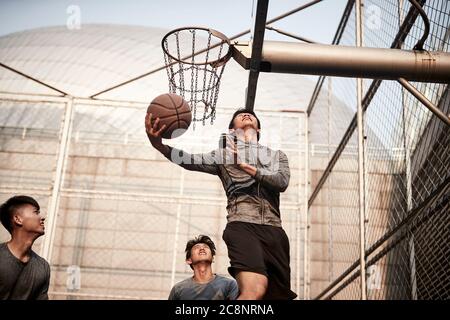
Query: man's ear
point(189, 261)
point(231, 131)
point(17, 219)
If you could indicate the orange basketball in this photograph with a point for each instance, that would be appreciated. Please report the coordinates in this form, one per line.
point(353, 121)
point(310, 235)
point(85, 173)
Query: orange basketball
point(173, 111)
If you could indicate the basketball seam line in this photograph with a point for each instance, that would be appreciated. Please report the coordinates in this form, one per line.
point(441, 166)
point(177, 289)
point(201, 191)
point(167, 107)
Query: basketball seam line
point(176, 109)
point(171, 115)
point(161, 105)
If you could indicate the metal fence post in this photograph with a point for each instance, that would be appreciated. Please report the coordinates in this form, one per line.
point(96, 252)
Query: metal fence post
point(361, 175)
point(407, 159)
point(299, 222)
point(330, 182)
point(52, 214)
point(177, 228)
point(306, 279)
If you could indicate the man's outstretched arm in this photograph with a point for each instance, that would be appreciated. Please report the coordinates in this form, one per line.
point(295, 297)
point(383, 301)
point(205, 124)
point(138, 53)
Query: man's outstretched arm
point(193, 162)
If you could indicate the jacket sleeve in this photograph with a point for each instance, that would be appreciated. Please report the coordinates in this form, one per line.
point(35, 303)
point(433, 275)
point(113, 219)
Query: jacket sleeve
point(276, 178)
point(202, 162)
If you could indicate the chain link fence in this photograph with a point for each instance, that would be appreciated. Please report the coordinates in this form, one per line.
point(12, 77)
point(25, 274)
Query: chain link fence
point(122, 213)
point(406, 166)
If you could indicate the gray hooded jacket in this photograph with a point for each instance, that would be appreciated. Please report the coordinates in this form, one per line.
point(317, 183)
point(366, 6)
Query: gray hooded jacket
point(250, 199)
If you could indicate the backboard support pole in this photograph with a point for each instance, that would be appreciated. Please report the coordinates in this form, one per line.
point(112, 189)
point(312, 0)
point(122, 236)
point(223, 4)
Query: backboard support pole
point(347, 61)
point(257, 46)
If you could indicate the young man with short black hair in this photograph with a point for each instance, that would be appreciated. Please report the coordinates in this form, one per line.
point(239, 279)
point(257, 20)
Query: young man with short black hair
point(204, 284)
point(253, 177)
point(23, 274)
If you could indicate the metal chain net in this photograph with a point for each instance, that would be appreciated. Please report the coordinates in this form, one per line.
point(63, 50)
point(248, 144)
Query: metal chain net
point(193, 71)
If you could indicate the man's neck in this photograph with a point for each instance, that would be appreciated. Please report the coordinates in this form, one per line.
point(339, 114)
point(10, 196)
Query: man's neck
point(203, 273)
point(20, 246)
point(248, 135)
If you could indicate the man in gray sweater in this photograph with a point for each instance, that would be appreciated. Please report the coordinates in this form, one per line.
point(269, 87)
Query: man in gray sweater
point(253, 177)
point(204, 284)
point(23, 274)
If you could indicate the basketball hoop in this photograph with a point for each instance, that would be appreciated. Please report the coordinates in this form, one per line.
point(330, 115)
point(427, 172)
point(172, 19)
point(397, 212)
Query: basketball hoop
point(195, 58)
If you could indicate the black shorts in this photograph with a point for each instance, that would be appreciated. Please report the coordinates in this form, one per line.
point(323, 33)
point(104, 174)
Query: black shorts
point(262, 249)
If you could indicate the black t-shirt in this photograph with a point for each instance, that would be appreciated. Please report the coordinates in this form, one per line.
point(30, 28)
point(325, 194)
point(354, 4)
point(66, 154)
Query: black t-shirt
point(23, 281)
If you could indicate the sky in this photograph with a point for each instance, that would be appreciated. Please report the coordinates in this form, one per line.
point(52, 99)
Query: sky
point(318, 22)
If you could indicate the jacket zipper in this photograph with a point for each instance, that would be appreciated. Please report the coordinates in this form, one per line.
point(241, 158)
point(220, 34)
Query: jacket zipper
point(259, 196)
point(262, 210)
point(260, 207)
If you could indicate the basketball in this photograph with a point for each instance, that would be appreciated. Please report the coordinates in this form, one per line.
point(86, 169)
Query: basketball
point(173, 111)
